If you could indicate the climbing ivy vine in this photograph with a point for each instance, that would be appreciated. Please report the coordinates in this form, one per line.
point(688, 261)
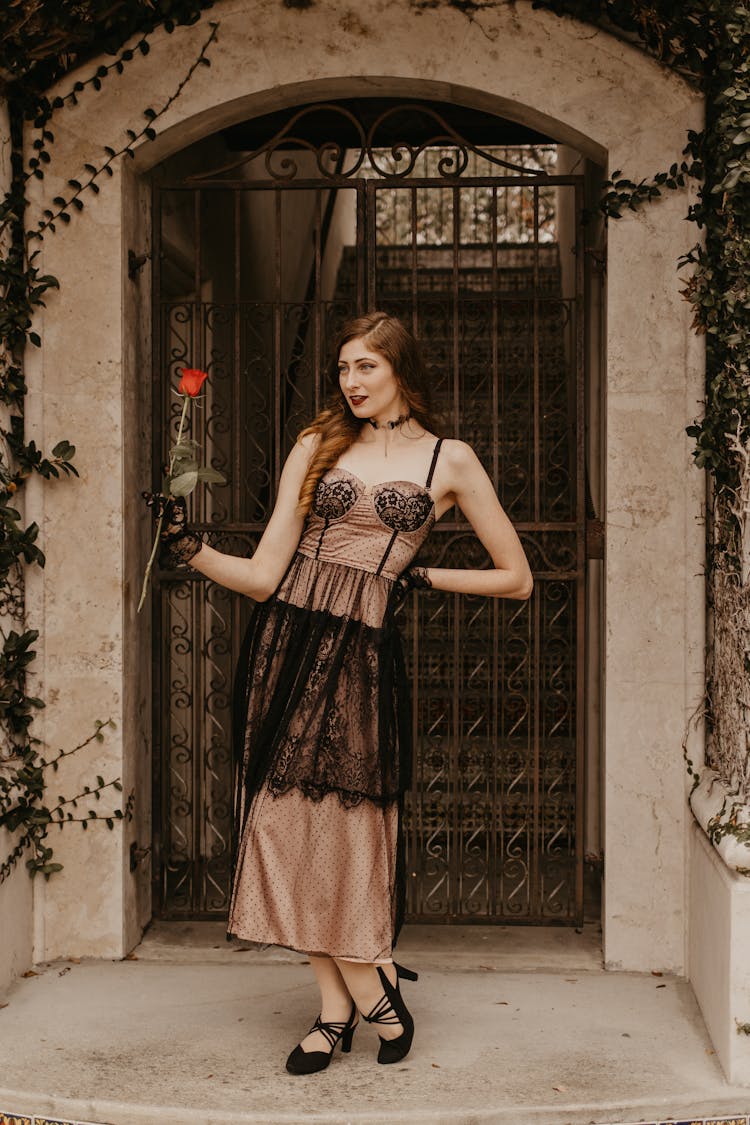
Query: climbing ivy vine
point(705, 41)
point(38, 44)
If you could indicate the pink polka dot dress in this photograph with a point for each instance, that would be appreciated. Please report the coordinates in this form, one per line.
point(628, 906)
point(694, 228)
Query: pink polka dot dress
point(323, 730)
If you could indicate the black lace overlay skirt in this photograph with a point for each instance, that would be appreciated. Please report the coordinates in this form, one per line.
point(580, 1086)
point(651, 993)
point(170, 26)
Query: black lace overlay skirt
point(321, 710)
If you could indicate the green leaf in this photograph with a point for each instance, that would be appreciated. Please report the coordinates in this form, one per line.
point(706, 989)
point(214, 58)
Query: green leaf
point(184, 484)
point(186, 447)
point(212, 476)
point(184, 465)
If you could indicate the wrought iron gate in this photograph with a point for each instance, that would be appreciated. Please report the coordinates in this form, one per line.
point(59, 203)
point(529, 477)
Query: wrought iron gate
point(255, 266)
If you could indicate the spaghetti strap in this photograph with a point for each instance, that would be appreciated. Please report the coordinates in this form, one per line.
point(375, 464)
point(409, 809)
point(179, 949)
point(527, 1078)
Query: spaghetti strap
point(433, 463)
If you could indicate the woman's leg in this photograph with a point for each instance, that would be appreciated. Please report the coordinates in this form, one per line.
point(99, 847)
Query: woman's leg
point(362, 981)
point(335, 1001)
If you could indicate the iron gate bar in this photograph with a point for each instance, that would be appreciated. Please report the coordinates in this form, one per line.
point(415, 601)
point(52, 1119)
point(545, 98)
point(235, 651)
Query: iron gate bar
point(456, 386)
point(320, 235)
point(497, 795)
point(198, 248)
point(536, 836)
point(581, 651)
point(414, 259)
point(277, 377)
point(236, 380)
point(455, 744)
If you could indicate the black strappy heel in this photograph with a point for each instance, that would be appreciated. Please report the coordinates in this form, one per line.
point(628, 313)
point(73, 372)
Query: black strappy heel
point(390, 1008)
point(309, 1062)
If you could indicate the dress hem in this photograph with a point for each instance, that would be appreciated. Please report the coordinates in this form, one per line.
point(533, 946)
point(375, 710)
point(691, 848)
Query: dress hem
point(256, 946)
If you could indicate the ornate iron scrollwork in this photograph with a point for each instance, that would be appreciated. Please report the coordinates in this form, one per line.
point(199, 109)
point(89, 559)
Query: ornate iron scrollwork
point(365, 150)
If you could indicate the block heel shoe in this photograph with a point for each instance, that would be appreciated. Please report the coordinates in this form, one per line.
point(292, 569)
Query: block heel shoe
point(310, 1062)
point(392, 1009)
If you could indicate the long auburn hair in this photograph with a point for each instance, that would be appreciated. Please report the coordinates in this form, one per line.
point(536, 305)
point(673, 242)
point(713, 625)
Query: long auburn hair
point(337, 426)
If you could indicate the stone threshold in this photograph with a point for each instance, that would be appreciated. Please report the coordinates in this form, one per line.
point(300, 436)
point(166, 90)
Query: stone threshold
point(440, 947)
point(36, 1119)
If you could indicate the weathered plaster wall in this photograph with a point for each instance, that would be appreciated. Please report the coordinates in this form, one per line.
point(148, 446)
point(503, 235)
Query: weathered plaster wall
point(718, 966)
point(76, 391)
point(587, 90)
point(16, 919)
point(654, 587)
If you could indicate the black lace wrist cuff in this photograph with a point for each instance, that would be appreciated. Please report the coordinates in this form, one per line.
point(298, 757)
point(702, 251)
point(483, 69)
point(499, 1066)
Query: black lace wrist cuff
point(174, 552)
point(178, 543)
point(418, 577)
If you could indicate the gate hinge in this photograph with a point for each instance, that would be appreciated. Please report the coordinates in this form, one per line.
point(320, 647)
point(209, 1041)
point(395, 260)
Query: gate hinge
point(137, 855)
point(594, 539)
point(136, 262)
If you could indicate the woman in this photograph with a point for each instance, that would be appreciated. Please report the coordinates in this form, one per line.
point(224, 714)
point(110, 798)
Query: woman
point(322, 720)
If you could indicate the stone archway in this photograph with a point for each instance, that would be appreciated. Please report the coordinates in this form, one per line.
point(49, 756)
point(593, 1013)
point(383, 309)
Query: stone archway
point(582, 90)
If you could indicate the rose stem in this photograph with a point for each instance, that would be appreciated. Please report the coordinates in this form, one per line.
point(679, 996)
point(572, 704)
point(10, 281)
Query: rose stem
point(150, 563)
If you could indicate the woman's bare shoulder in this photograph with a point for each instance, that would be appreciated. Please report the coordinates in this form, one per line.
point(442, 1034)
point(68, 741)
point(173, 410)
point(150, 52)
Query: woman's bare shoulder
point(309, 442)
point(457, 455)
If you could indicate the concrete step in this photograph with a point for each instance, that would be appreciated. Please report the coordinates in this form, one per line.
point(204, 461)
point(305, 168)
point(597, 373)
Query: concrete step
point(512, 1027)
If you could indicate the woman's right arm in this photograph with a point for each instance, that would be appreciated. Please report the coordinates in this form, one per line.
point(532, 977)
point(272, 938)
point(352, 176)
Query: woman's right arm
point(258, 577)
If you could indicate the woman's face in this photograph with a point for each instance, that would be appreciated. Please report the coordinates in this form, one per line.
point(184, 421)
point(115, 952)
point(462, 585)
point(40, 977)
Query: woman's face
point(368, 382)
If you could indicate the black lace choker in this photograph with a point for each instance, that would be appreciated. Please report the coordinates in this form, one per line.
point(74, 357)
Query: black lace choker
point(391, 425)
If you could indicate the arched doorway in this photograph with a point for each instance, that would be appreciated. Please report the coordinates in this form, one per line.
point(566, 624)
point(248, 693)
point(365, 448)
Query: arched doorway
point(460, 223)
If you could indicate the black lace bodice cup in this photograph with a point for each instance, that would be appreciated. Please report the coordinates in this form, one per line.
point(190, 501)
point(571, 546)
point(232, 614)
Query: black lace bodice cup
point(400, 505)
point(402, 511)
point(333, 499)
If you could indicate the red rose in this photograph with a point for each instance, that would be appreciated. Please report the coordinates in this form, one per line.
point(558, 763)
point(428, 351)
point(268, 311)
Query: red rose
point(191, 382)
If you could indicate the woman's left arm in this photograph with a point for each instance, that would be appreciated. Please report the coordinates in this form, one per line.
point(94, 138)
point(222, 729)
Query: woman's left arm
point(463, 481)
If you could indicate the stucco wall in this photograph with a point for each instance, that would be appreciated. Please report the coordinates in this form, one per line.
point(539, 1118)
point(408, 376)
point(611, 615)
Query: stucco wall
point(16, 918)
point(718, 966)
point(590, 92)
